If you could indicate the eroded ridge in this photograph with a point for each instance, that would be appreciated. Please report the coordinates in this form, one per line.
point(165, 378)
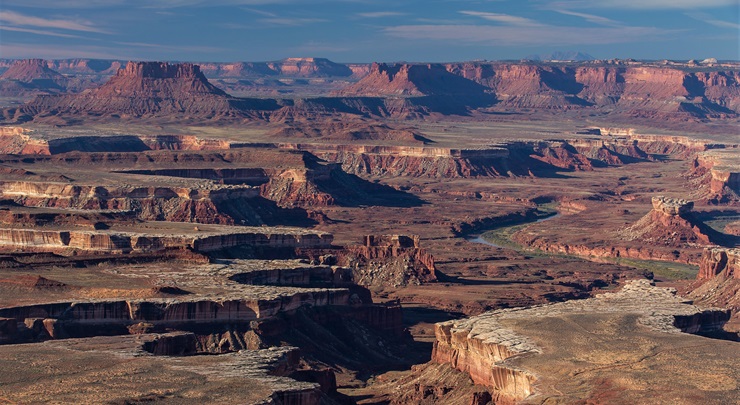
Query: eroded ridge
point(483, 346)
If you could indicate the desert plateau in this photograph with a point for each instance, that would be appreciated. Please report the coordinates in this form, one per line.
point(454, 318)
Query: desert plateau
point(544, 230)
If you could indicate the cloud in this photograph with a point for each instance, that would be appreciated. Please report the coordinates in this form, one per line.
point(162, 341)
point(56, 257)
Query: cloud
point(380, 14)
point(591, 18)
point(313, 47)
point(644, 4)
point(260, 12)
point(17, 19)
point(527, 36)
point(713, 21)
point(189, 48)
point(159, 4)
point(503, 18)
point(288, 21)
point(22, 50)
point(38, 32)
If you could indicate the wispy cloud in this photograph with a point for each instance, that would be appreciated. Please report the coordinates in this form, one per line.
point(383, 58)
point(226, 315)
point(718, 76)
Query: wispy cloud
point(289, 21)
point(380, 14)
point(503, 18)
point(313, 47)
point(260, 12)
point(643, 4)
point(591, 18)
point(191, 48)
point(713, 21)
point(22, 50)
point(38, 32)
point(16, 19)
point(527, 36)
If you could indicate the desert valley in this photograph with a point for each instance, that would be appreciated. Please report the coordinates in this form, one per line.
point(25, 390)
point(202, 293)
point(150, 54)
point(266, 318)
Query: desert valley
point(310, 232)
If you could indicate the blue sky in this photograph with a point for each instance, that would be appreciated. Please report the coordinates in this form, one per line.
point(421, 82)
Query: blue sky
point(368, 30)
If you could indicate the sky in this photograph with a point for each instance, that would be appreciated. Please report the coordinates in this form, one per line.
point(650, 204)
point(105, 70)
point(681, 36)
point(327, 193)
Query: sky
point(368, 30)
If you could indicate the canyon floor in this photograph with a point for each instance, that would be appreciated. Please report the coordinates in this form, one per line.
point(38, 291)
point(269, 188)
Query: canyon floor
point(538, 256)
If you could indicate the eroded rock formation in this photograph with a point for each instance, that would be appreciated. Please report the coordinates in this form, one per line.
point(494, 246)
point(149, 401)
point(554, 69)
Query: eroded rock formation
point(670, 222)
point(122, 242)
point(143, 89)
point(487, 346)
point(717, 176)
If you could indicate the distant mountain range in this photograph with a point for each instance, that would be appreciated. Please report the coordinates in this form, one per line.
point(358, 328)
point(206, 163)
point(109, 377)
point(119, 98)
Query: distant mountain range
point(561, 55)
point(181, 92)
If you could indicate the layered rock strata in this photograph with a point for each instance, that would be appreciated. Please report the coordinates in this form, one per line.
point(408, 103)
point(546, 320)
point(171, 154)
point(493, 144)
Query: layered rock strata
point(402, 91)
point(107, 241)
point(717, 175)
point(249, 376)
point(669, 223)
point(22, 141)
point(485, 346)
point(145, 89)
point(204, 203)
point(513, 158)
point(382, 260)
point(716, 261)
point(718, 282)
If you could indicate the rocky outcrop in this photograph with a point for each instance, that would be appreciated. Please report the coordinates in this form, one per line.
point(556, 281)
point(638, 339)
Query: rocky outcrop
point(487, 348)
point(289, 67)
point(80, 319)
point(382, 260)
point(400, 91)
point(177, 204)
point(643, 91)
point(140, 90)
point(21, 141)
point(670, 223)
point(718, 283)
point(716, 261)
point(716, 174)
point(515, 158)
point(412, 80)
point(28, 75)
point(389, 260)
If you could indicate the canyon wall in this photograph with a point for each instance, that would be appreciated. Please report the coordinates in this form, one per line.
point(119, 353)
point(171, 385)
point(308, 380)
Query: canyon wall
point(716, 261)
point(489, 347)
point(128, 242)
point(514, 158)
point(717, 175)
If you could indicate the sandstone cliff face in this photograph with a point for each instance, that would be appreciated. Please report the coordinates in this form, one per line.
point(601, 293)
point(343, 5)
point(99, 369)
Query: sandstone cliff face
point(641, 91)
point(487, 348)
point(72, 317)
point(20, 141)
point(716, 261)
point(638, 91)
point(388, 260)
point(149, 203)
point(717, 175)
point(412, 80)
point(32, 70)
point(670, 223)
point(127, 242)
point(143, 89)
point(522, 158)
point(290, 67)
point(718, 282)
point(399, 91)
